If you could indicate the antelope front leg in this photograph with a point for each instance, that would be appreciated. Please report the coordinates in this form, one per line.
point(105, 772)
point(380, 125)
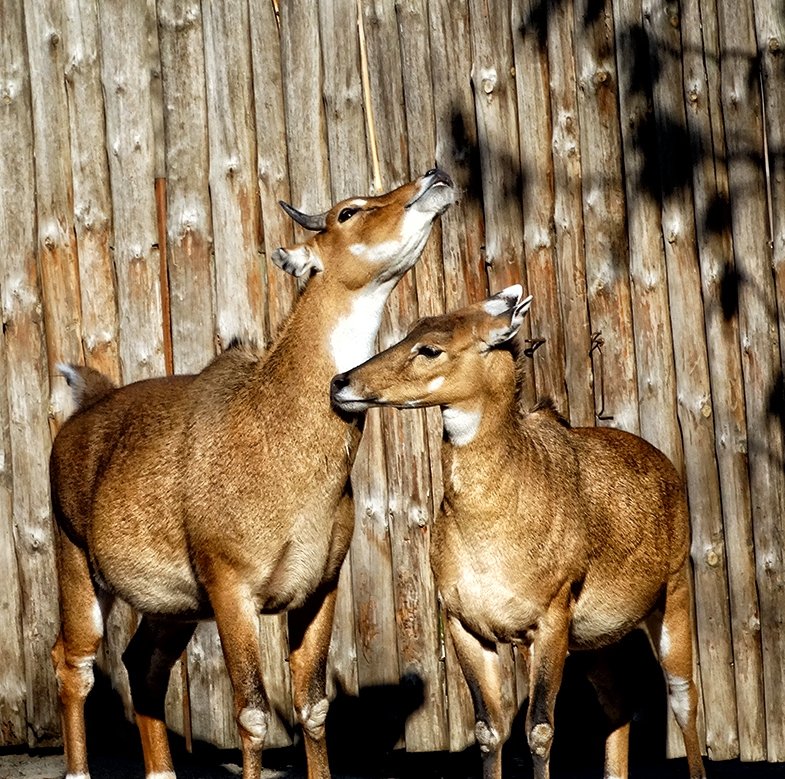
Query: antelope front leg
point(548, 652)
point(480, 665)
point(603, 677)
point(309, 638)
point(238, 627)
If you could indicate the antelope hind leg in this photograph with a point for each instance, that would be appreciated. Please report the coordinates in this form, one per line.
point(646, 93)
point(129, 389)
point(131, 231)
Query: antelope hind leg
point(149, 657)
point(83, 611)
point(309, 637)
point(480, 665)
point(672, 632)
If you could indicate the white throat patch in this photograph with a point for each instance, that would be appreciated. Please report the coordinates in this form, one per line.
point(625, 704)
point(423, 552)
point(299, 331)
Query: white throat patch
point(460, 426)
point(353, 338)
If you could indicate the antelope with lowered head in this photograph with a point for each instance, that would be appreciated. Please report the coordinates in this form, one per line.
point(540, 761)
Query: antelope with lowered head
point(226, 493)
point(550, 537)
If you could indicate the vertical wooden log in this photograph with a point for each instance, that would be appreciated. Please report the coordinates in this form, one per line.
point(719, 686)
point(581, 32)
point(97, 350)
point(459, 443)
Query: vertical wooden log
point(532, 78)
point(457, 151)
point(662, 23)
point(240, 293)
point(465, 279)
point(759, 342)
point(420, 643)
point(700, 54)
point(770, 33)
point(126, 82)
point(189, 241)
point(92, 199)
point(13, 706)
point(349, 176)
point(273, 172)
point(27, 385)
point(653, 336)
point(649, 289)
point(54, 197)
point(568, 212)
point(408, 466)
point(309, 175)
point(607, 259)
point(493, 79)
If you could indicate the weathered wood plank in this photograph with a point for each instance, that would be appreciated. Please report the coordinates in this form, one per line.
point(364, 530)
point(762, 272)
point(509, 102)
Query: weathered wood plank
point(187, 184)
point(239, 288)
point(54, 197)
point(309, 174)
point(349, 176)
point(534, 136)
point(465, 279)
point(419, 637)
point(13, 706)
point(770, 34)
point(404, 434)
point(662, 23)
point(607, 258)
point(568, 211)
point(710, 187)
point(653, 336)
point(273, 172)
point(27, 384)
point(129, 130)
point(91, 196)
point(760, 354)
point(457, 152)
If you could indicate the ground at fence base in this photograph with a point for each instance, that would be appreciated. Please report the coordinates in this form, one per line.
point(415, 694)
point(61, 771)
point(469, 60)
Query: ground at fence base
point(287, 764)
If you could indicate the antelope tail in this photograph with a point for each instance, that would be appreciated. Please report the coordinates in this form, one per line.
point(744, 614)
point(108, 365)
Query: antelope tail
point(87, 385)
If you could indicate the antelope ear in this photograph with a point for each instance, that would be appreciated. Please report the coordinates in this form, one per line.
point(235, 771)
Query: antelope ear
point(507, 310)
point(299, 261)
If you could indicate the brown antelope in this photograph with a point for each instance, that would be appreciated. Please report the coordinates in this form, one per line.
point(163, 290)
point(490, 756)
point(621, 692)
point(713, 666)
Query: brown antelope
point(226, 494)
point(549, 536)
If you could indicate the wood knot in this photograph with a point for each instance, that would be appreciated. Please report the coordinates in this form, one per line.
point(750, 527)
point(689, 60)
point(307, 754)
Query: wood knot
point(775, 47)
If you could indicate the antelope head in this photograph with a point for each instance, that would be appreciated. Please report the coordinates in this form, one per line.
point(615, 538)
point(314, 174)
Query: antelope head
point(366, 241)
point(446, 360)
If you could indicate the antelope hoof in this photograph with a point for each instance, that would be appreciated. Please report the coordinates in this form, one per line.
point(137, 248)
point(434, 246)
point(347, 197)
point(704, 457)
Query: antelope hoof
point(487, 737)
point(254, 722)
point(313, 718)
point(540, 738)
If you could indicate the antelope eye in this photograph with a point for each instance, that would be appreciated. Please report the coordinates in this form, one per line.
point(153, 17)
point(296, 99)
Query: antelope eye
point(347, 213)
point(429, 351)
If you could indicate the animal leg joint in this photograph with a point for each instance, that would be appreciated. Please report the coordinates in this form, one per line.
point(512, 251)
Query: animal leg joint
point(540, 738)
point(487, 737)
point(681, 698)
point(313, 717)
point(254, 722)
point(74, 677)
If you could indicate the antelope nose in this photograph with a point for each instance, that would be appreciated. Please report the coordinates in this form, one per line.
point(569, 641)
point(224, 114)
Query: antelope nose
point(337, 384)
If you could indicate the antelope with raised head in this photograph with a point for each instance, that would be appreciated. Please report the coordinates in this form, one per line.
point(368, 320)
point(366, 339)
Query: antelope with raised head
point(551, 537)
point(226, 493)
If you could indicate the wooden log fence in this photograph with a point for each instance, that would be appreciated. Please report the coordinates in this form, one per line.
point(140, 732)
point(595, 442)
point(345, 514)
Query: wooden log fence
point(623, 159)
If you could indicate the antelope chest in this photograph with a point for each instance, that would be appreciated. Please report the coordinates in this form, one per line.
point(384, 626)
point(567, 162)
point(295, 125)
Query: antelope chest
point(492, 597)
